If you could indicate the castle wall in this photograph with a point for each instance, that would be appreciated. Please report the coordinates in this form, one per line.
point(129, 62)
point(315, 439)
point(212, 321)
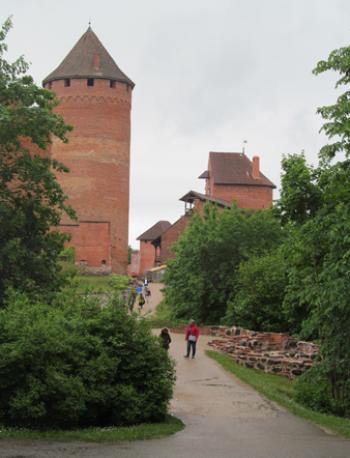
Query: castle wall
point(98, 156)
point(170, 236)
point(147, 256)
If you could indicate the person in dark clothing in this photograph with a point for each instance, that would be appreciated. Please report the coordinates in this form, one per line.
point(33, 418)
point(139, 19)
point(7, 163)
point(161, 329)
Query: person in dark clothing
point(165, 338)
point(192, 335)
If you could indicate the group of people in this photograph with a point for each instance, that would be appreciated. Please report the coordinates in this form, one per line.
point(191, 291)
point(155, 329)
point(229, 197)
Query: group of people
point(191, 337)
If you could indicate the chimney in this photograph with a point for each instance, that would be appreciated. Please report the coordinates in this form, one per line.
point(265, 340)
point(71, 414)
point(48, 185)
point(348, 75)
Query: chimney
point(256, 167)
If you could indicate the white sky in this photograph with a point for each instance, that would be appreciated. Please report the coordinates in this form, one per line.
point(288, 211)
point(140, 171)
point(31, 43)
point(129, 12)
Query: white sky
point(209, 74)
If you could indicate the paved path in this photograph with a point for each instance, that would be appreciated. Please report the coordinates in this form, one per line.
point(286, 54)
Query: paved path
point(224, 418)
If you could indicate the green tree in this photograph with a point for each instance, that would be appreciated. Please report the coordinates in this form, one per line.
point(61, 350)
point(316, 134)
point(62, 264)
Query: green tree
point(261, 283)
point(319, 255)
point(300, 194)
point(31, 200)
point(202, 277)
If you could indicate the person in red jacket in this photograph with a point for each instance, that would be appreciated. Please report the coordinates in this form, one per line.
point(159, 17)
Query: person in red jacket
point(192, 334)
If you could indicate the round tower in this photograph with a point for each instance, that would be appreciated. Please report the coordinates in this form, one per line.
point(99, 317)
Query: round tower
point(95, 98)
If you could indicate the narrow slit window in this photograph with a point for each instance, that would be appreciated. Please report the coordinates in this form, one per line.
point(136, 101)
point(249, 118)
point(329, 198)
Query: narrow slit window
point(90, 81)
point(67, 82)
point(112, 83)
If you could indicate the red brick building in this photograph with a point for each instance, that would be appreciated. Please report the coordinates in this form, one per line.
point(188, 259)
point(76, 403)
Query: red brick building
point(230, 177)
point(95, 98)
point(151, 246)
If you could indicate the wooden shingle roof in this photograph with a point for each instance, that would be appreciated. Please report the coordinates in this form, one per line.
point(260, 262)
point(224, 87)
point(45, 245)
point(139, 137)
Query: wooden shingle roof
point(88, 59)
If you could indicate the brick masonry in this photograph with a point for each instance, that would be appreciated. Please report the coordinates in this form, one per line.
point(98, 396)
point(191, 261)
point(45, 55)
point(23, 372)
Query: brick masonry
point(98, 156)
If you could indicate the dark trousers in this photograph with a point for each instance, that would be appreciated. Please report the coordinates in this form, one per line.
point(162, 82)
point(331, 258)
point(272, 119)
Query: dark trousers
point(191, 345)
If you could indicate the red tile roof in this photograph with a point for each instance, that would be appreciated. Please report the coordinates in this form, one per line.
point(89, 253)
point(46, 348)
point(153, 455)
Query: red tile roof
point(235, 169)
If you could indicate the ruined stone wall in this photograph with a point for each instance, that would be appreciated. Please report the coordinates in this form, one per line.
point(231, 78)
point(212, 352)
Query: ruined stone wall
point(272, 352)
point(98, 156)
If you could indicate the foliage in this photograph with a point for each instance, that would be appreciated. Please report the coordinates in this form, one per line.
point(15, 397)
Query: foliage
point(118, 282)
point(318, 298)
point(31, 200)
point(300, 193)
point(73, 364)
point(202, 277)
point(261, 283)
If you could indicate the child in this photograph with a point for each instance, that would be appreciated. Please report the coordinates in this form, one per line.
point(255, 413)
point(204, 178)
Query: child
point(165, 338)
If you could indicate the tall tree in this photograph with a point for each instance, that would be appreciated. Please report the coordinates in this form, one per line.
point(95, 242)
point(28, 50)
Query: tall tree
point(31, 200)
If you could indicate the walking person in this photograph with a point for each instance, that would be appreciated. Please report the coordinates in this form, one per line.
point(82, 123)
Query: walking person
point(165, 338)
point(191, 336)
point(141, 301)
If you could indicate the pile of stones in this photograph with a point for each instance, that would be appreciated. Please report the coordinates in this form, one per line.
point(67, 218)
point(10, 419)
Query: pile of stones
point(273, 352)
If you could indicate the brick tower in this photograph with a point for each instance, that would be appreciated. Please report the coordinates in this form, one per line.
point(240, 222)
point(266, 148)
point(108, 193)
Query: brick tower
point(95, 98)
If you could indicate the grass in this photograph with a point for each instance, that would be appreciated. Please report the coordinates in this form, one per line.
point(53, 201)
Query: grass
point(96, 283)
point(162, 317)
point(280, 389)
point(108, 434)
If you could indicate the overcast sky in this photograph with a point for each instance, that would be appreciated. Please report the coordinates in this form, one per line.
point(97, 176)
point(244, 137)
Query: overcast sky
point(209, 74)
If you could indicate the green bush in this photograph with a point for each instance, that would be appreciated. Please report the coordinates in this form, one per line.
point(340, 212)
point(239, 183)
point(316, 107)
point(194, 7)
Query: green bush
point(74, 364)
point(314, 389)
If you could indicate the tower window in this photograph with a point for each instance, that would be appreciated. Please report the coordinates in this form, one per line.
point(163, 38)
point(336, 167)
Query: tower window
point(112, 83)
point(90, 81)
point(67, 82)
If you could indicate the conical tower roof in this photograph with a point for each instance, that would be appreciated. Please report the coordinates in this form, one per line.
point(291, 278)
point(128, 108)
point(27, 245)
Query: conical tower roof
point(88, 59)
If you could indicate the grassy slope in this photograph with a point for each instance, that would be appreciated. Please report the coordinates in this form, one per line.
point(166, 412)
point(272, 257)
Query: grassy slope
point(280, 390)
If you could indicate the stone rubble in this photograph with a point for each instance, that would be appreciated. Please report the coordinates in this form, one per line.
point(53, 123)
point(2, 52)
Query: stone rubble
point(276, 353)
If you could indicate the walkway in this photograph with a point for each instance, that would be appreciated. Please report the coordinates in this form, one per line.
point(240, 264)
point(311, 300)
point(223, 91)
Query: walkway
point(224, 418)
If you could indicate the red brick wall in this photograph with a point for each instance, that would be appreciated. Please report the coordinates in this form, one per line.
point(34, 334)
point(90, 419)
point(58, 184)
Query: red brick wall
point(147, 256)
point(134, 266)
point(98, 155)
point(255, 197)
point(170, 236)
point(91, 242)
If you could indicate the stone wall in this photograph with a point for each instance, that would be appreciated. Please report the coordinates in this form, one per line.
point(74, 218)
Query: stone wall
point(276, 353)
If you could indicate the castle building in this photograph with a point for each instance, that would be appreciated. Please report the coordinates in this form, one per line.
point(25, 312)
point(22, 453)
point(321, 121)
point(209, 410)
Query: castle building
point(229, 178)
point(95, 98)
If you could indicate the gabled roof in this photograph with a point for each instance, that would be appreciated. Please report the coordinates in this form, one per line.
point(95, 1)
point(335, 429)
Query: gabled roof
point(235, 168)
point(191, 196)
point(155, 231)
point(88, 59)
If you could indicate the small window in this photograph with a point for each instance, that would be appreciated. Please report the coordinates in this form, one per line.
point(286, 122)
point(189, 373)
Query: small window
point(103, 262)
point(67, 82)
point(112, 83)
point(90, 81)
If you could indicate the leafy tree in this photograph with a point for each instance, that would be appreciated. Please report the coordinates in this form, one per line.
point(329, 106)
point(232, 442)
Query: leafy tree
point(261, 283)
point(31, 200)
point(319, 256)
point(202, 277)
point(300, 194)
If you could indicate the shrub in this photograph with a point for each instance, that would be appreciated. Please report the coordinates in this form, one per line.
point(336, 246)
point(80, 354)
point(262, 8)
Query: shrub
point(74, 364)
point(314, 389)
